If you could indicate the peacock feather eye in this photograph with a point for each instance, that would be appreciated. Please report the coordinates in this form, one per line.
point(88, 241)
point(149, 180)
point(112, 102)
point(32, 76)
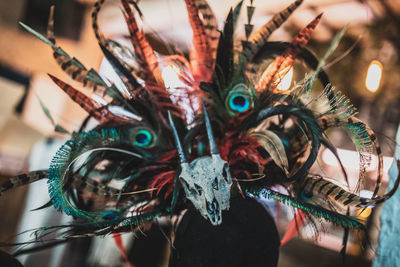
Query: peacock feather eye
point(109, 216)
point(306, 195)
point(143, 137)
point(239, 99)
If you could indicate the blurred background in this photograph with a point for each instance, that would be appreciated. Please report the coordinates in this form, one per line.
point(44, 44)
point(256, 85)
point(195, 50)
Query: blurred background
point(365, 67)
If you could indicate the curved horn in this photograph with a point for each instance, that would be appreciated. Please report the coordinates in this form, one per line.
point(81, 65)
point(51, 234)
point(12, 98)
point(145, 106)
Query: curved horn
point(213, 144)
point(181, 153)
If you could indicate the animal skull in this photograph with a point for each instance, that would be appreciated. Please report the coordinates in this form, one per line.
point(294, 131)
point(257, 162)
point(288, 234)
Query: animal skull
point(206, 180)
point(207, 183)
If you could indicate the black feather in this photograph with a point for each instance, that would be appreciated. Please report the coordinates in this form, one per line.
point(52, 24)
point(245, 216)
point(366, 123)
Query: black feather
point(313, 128)
point(119, 68)
point(224, 60)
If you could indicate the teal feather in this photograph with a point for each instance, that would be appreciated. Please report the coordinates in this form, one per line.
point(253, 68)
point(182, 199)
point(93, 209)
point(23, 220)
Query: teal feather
point(46, 111)
point(339, 107)
point(58, 128)
point(63, 159)
point(361, 136)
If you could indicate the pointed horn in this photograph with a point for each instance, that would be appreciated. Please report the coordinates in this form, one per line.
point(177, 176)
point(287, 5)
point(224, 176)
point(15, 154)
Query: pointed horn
point(181, 153)
point(213, 144)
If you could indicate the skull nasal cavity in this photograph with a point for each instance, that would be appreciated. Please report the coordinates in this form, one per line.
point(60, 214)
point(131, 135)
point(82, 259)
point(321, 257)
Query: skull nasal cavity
point(198, 188)
point(215, 184)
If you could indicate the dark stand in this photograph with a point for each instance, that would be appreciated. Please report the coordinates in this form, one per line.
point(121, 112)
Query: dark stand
point(246, 237)
point(7, 260)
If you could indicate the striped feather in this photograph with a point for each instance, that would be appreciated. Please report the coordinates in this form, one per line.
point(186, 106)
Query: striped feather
point(110, 45)
point(23, 179)
point(210, 24)
point(75, 69)
point(96, 110)
point(258, 38)
point(320, 186)
point(96, 9)
point(364, 138)
point(202, 56)
point(281, 65)
point(274, 146)
point(144, 52)
point(50, 26)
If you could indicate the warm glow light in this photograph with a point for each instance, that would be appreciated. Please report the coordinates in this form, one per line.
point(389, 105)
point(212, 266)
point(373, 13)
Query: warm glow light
point(351, 160)
point(286, 81)
point(174, 84)
point(374, 76)
point(365, 213)
point(170, 76)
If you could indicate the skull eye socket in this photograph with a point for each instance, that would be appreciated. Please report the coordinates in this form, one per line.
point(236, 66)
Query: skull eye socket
point(225, 172)
point(215, 184)
point(194, 191)
point(198, 188)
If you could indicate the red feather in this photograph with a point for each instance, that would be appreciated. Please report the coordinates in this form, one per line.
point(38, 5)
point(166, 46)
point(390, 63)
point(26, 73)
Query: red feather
point(144, 52)
point(202, 59)
point(120, 245)
point(293, 227)
point(96, 110)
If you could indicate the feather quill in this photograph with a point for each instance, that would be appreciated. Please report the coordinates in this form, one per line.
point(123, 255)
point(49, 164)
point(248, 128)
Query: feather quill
point(274, 146)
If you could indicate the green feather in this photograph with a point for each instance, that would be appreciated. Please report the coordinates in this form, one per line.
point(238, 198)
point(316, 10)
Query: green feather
point(250, 13)
point(46, 111)
point(236, 13)
point(59, 129)
point(38, 35)
point(309, 81)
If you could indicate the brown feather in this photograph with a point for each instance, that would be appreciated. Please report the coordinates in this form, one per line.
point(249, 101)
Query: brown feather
point(22, 179)
point(281, 65)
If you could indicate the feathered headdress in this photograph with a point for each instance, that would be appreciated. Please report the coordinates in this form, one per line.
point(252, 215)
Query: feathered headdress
point(147, 159)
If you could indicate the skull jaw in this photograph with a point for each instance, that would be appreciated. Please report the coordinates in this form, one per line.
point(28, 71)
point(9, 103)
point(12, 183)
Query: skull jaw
point(210, 210)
